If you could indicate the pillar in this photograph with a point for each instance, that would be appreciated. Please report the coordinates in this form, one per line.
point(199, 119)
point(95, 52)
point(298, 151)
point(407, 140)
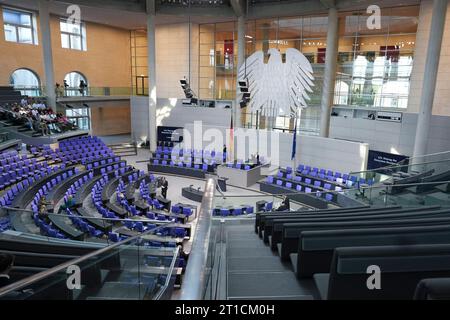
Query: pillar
point(44, 22)
point(240, 62)
point(429, 78)
point(151, 49)
point(329, 75)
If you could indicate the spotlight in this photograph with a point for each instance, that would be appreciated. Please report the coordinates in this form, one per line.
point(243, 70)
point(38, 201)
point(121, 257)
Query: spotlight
point(243, 86)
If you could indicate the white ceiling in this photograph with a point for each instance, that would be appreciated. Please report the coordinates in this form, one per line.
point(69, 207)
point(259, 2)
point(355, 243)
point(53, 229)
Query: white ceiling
point(135, 19)
point(112, 17)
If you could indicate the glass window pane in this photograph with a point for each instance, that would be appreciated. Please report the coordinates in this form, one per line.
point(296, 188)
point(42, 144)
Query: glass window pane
point(63, 26)
point(75, 28)
point(25, 19)
point(10, 33)
point(65, 41)
point(11, 17)
point(75, 42)
point(25, 35)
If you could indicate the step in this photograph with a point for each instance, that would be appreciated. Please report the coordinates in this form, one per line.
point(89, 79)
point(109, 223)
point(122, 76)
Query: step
point(119, 290)
point(256, 264)
point(264, 284)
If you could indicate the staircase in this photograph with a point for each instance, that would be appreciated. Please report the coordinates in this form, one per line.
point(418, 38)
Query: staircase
point(127, 149)
point(255, 272)
point(9, 95)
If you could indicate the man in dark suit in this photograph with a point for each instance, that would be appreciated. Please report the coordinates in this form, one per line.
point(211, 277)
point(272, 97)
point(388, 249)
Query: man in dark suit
point(6, 263)
point(164, 188)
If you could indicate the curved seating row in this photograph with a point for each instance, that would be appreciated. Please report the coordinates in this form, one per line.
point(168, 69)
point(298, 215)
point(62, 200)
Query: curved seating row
point(233, 211)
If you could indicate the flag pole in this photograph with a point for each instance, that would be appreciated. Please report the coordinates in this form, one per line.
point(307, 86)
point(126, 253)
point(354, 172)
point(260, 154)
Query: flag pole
point(298, 116)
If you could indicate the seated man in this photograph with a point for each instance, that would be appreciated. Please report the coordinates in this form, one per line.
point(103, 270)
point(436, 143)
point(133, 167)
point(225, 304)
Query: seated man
point(42, 206)
point(68, 203)
point(284, 206)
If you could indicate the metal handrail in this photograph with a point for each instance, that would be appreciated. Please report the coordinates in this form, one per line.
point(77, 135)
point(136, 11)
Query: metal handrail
point(195, 277)
point(382, 186)
point(44, 274)
point(162, 290)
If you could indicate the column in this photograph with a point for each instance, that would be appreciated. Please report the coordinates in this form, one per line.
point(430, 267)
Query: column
point(240, 62)
point(151, 49)
point(44, 22)
point(429, 77)
point(329, 75)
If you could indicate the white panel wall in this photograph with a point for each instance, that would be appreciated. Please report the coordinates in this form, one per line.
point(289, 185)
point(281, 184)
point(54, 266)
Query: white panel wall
point(392, 137)
point(334, 154)
point(171, 112)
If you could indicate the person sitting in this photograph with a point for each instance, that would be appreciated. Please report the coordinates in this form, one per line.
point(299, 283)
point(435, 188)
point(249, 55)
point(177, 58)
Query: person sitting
point(69, 203)
point(121, 198)
point(42, 206)
point(284, 206)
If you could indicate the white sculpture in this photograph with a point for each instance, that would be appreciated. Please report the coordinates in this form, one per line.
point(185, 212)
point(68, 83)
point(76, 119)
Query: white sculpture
point(277, 88)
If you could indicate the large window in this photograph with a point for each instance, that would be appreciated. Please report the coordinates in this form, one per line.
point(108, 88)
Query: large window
point(20, 26)
point(26, 81)
point(80, 117)
point(75, 84)
point(73, 35)
point(375, 64)
point(217, 76)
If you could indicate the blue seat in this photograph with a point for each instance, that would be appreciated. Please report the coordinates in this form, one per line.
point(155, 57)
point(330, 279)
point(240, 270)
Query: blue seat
point(269, 179)
point(280, 182)
point(178, 232)
point(269, 206)
point(139, 226)
point(249, 210)
point(224, 212)
point(299, 188)
point(187, 212)
point(288, 185)
point(237, 212)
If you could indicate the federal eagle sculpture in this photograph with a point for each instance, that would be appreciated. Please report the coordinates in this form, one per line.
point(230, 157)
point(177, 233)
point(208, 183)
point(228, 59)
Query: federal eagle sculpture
point(277, 88)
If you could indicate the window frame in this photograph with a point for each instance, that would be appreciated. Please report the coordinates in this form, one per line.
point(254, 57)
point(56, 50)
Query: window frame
point(32, 27)
point(69, 34)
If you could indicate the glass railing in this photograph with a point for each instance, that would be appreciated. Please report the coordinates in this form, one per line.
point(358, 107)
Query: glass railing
point(427, 165)
point(380, 195)
point(95, 92)
point(246, 205)
point(135, 268)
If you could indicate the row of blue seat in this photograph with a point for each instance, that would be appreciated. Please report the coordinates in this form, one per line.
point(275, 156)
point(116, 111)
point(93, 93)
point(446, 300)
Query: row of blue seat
point(224, 212)
point(196, 166)
point(299, 188)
